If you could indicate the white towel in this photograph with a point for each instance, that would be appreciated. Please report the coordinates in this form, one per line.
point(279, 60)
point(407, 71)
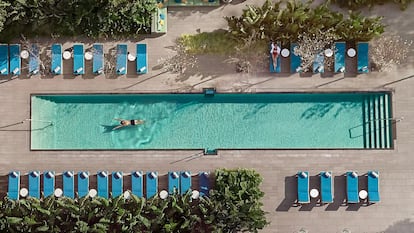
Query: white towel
point(4, 70)
point(79, 70)
point(142, 69)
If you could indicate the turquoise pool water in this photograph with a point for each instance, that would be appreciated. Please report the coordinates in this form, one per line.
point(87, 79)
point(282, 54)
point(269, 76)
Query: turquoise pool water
point(198, 121)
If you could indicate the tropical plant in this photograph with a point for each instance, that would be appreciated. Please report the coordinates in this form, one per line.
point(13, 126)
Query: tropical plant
point(311, 45)
point(297, 18)
point(236, 198)
point(94, 18)
point(356, 4)
point(387, 51)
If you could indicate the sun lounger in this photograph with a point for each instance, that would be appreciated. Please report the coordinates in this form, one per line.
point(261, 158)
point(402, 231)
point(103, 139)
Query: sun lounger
point(121, 59)
point(303, 187)
point(14, 185)
point(34, 184)
point(173, 182)
point(373, 186)
point(15, 60)
point(137, 183)
point(4, 59)
point(69, 184)
point(278, 62)
point(48, 183)
point(102, 179)
point(352, 187)
point(56, 66)
point(326, 187)
point(98, 59)
point(318, 63)
point(152, 184)
point(204, 181)
point(117, 184)
point(142, 59)
point(185, 182)
point(83, 184)
point(34, 59)
point(362, 57)
point(340, 48)
point(295, 60)
point(78, 59)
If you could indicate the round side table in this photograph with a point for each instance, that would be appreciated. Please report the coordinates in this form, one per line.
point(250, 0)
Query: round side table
point(351, 52)
point(314, 193)
point(328, 52)
point(285, 53)
point(24, 192)
point(163, 194)
point(66, 55)
point(58, 192)
point(24, 54)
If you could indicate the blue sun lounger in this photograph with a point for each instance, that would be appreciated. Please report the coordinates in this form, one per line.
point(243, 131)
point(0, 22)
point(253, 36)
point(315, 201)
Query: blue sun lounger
point(373, 186)
point(318, 63)
point(362, 57)
point(14, 185)
point(295, 60)
point(185, 182)
point(278, 62)
point(15, 60)
point(326, 187)
point(56, 67)
point(142, 59)
point(117, 184)
point(339, 65)
point(152, 184)
point(69, 184)
point(78, 59)
point(34, 184)
point(98, 59)
point(34, 59)
point(204, 181)
point(137, 183)
point(303, 187)
point(48, 183)
point(121, 59)
point(83, 183)
point(4, 59)
point(352, 187)
point(102, 179)
point(173, 182)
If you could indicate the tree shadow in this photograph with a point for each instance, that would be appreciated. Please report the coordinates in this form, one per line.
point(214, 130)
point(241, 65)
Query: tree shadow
point(403, 226)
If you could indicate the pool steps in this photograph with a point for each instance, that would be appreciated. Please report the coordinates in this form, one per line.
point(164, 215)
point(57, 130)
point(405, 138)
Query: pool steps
point(378, 121)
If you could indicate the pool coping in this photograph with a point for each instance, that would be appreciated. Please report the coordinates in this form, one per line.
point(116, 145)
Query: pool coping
point(208, 91)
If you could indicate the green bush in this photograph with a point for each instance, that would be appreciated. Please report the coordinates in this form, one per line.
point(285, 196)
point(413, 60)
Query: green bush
point(357, 4)
point(93, 18)
point(297, 18)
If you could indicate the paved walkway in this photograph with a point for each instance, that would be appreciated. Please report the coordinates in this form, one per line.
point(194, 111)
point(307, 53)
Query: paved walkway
point(393, 214)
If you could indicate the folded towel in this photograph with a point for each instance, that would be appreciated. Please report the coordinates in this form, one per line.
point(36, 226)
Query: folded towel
point(57, 69)
point(79, 70)
point(4, 70)
point(143, 69)
point(15, 70)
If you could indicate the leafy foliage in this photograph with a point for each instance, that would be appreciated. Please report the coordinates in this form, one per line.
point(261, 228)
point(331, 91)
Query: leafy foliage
point(356, 4)
point(234, 206)
point(94, 18)
point(271, 21)
point(237, 201)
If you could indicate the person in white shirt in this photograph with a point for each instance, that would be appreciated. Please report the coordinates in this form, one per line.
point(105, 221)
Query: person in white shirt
point(274, 52)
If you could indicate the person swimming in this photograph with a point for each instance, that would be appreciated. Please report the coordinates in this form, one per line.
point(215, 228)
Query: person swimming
point(123, 123)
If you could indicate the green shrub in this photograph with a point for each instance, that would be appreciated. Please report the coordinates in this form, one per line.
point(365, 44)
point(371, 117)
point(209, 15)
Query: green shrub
point(357, 4)
point(93, 18)
point(297, 18)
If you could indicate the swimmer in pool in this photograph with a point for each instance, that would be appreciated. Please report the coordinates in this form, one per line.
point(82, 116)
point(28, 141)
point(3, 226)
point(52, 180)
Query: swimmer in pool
point(123, 123)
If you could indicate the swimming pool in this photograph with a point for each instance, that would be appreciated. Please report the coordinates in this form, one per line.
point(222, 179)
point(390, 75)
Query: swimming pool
point(212, 121)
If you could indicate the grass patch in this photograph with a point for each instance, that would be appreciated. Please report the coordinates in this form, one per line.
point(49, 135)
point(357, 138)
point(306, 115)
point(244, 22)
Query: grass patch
point(218, 42)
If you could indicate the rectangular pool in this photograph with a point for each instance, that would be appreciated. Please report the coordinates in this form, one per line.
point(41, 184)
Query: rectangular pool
point(357, 120)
